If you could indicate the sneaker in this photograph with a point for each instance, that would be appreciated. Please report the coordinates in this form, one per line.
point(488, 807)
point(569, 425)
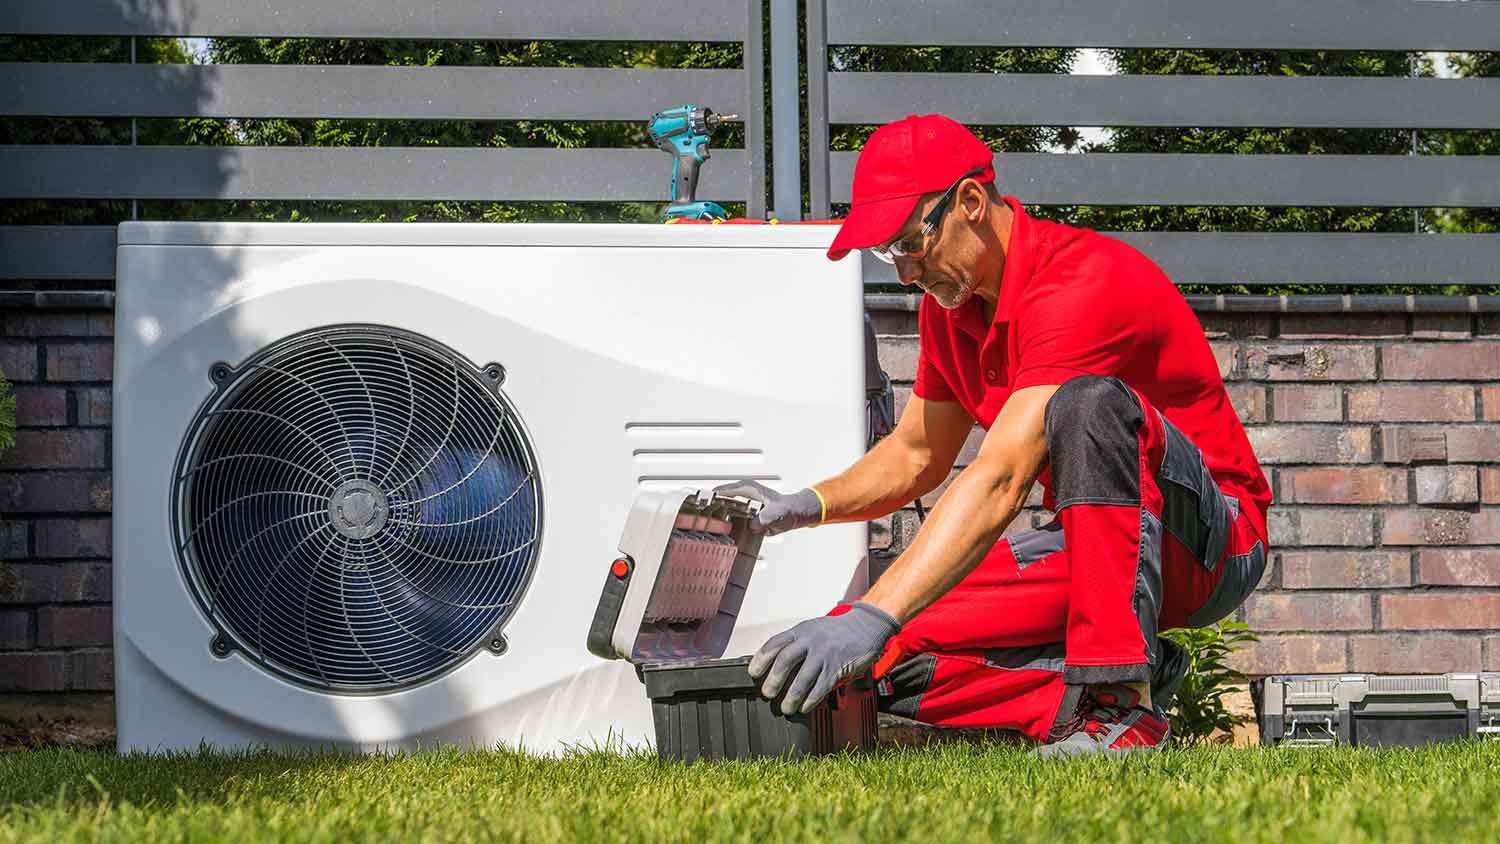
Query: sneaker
point(1171, 670)
point(1111, 721)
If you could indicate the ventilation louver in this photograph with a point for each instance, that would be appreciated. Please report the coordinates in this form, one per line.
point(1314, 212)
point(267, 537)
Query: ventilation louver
point(357, 508)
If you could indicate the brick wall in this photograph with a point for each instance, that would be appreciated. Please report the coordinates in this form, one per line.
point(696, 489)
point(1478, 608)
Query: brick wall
point(1380, 432)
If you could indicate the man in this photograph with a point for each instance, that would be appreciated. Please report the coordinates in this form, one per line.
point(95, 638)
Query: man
point(1089, 373)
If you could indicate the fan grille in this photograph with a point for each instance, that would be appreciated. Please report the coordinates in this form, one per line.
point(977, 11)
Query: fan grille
point(357, 508)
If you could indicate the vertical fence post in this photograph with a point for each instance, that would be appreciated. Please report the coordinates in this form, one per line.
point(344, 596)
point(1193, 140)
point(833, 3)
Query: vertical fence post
point(786, 112)
point(817, 107)
point(755, 119)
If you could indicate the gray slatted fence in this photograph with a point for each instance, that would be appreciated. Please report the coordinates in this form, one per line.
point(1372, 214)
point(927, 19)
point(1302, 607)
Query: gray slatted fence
point(851, 98)
point(306, 173)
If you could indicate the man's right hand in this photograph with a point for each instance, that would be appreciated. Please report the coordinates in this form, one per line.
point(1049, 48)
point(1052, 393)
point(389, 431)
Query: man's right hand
point(779, 512)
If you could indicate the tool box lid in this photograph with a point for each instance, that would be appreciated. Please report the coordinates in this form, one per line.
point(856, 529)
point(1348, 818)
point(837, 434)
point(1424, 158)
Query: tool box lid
point(675, 590)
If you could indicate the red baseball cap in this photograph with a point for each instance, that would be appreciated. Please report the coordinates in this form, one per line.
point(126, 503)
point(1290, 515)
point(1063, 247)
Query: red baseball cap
point(922, 153)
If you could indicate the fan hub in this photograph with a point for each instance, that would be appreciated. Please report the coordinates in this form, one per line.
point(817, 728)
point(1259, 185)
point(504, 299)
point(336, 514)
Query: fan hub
point(358, 509)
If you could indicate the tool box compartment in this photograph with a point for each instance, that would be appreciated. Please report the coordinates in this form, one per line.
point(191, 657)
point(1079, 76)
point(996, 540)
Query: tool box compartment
point(669, 605)
point(714, 710)
point(1370, 710)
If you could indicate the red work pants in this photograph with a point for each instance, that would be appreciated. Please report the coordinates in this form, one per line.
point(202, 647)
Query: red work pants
point(1144, 539)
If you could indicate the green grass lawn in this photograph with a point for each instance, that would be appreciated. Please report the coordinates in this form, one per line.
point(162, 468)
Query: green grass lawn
point(945, 793)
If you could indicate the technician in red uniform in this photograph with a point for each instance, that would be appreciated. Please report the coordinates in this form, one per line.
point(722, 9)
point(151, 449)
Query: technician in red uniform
point(1091, 375)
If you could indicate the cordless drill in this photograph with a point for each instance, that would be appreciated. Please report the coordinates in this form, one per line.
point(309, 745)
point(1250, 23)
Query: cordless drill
point(683, 133)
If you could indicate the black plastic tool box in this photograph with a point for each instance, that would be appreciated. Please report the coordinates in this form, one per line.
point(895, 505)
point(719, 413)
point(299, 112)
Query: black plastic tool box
point(1372, 710)
point(669, 604)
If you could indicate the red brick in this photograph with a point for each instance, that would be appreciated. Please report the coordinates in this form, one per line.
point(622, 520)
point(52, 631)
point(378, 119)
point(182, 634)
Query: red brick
point(42, 583)
point(1343, 485)
point(18, 361)
point(1489, 485)
point(1441, 611)
point(73, 626)
point(1249, 401)
point(1472, 443)
point(1216, 324)
point(1411, 403)
point(1312, 526)
point(58, 449)
point(95, 406)
point(1491, 398)
point(1440, 527)
point(898, 357)
point(1310, 362)
point(80, 361)
point(92, 671)
point(32, 323)
point(1308, 402)
point(1447, 485)
point(1275, 654)
point(1310, 444)
point(1406, 444)
point(1226, 355)
point(1492, 653)
point(72, 537)
point(15, 630)
point(1460, 567)
point(1341, 326)
point(1441, 326)
point(1475, 361)
point(41, 406)
point(1304, 611)
point(1414, 653)
point(32, 672)
point(1345, 569)
point(54, 492)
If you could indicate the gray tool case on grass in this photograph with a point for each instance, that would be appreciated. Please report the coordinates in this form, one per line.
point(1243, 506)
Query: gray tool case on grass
point(1372, 710)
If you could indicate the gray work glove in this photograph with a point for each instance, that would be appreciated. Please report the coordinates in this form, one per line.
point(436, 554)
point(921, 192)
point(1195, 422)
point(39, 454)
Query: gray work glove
point(779, 512)
point(821, 652)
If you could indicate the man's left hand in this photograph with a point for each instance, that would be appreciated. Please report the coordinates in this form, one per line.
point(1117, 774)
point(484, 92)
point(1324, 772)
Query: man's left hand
point(819, 653)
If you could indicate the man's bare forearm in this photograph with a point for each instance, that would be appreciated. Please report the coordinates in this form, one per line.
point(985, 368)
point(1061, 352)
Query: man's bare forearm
point(958, 533)
point(886, 479)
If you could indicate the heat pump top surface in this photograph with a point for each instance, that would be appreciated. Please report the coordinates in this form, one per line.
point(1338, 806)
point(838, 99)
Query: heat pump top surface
point(369, 476)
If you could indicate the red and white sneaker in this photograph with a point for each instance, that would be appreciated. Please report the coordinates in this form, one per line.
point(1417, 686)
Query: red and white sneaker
point(1109, 720)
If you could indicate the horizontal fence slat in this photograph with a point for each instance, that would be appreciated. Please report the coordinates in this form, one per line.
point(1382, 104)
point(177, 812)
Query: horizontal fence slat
point(1036, 99)
point(88, 252)
point(301, 91)
point(1311, 258)
point(57, 252)
point(583, 20)
point(368, 173)
point(1188, 24)
point(1431, 181)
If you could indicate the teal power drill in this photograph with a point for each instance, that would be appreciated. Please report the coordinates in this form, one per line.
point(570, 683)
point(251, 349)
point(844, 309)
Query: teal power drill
point(683, 133)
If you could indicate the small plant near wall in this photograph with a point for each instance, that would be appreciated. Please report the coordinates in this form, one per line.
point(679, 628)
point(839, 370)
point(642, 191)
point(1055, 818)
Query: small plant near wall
point(1199, 713)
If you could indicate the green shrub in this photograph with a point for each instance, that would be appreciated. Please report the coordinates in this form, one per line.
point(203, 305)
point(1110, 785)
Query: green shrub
point(1198, 713)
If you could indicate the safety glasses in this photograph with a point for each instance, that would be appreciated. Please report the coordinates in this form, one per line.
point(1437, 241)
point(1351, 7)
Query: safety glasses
point(914, 246)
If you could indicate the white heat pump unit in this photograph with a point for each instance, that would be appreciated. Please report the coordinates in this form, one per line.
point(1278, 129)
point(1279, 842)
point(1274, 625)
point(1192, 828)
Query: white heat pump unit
point(369, 478)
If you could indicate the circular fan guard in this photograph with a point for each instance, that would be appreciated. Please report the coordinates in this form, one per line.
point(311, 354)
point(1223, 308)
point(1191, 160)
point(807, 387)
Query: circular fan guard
point(357, 508)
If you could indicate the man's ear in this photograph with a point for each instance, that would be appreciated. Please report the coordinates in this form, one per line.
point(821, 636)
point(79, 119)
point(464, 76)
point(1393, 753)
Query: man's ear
point(974, 202)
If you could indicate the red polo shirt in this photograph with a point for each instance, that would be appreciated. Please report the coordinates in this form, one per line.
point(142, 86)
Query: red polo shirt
point(1074, 302)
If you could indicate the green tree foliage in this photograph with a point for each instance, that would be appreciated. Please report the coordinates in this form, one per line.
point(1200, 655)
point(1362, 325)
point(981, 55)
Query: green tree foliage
point(1486, 142)
point(7, 415)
